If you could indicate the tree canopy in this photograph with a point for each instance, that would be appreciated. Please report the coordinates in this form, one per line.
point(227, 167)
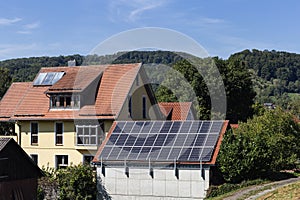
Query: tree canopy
point(265, 144)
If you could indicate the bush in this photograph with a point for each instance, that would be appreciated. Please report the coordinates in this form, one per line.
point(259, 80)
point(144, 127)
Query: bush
point(73, 182)
point(265, 144)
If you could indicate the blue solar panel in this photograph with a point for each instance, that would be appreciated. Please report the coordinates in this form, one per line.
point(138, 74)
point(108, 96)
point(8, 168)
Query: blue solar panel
point(140, 141)
point(166, 127)
point(170, 140)
point(175, 127)
point(195, 127)
point(205, 127)
point(180, 139)
point(49, 78)
point(195, 153)
point(162, 141)
point(150, 140)
point(147, 126)
point(156, 127)
point(174, 154)
point(113, 138)
point(205, 154)
point(216, 127)
point(184, 154)
point(200, 140)
point(128, 127)
point(164, 153)
point(190, 140)
point(211, 140)
point(119, 127)
point(121, 140)
point(131, 140)
point(185, 127)
point(137, 127)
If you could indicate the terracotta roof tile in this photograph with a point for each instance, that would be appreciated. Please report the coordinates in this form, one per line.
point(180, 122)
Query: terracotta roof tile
point(177, 110)
point(115, 85)
point(34, 102)
point(77, 78)
point(23, 101)
point(12, 99)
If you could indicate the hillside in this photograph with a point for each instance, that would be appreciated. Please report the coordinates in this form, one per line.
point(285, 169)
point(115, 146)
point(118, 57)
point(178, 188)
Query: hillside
point(275, 75)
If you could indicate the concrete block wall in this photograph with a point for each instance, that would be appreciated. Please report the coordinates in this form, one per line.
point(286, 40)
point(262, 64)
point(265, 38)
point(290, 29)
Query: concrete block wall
point(164, 184)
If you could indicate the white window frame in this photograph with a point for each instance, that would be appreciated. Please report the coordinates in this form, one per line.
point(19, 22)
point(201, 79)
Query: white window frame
point(36, 134)
point(84, 135)
point(63, 164)
point(62, 134)
point(74, 101)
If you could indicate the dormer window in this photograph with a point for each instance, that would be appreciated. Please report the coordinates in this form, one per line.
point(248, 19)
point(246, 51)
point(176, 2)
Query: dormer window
point(65, 101)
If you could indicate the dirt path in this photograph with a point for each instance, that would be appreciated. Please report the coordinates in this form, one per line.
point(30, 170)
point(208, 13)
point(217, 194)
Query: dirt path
point(270, 187)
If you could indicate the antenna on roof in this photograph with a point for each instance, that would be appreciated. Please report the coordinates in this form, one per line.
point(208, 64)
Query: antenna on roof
point(71, 63)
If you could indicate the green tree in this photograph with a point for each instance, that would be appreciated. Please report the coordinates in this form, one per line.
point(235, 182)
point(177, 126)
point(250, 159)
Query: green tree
point(265, 144)
point(239, 89)
point(5, 81)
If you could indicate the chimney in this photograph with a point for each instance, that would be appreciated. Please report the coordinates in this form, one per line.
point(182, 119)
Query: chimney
point(71, 63)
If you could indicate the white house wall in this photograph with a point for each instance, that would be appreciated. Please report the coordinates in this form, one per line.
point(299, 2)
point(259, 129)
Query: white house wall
point(163, 185)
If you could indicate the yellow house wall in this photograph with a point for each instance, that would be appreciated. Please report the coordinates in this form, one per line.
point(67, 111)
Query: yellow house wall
point(137, 92)
point(46, 148)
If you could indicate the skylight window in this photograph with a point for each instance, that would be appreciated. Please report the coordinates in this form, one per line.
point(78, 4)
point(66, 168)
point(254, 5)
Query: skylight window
point(49, 78)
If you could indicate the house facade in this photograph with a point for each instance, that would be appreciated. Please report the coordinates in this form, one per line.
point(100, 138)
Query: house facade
point(63, 116)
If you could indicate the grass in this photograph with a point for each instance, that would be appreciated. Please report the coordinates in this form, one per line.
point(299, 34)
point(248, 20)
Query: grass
point(227, 189)
point(291, 191)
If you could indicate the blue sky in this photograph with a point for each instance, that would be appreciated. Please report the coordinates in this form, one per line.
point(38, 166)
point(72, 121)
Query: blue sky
point(53, 28)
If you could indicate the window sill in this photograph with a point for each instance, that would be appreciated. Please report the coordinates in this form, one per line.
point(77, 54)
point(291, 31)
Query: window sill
point(34, 144)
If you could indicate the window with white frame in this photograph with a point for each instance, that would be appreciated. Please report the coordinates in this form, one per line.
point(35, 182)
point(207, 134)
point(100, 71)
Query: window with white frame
point(88, 134)
point(34, 130)
point(61, 161)
point(65, 101)
point(59, 130)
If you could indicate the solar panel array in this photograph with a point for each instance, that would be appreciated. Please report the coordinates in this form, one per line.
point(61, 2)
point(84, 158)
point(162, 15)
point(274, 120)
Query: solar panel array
point(48, 78)
point(162, 141)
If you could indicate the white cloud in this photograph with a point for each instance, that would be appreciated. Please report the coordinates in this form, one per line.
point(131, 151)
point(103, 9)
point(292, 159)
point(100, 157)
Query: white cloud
point(134, 14)
point(208, 20)
point(132, 10)
point(6, 21)
point(32, 25)
point(27, 28)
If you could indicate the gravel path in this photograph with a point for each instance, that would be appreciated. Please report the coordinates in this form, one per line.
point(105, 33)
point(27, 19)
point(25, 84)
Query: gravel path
point(273, 185)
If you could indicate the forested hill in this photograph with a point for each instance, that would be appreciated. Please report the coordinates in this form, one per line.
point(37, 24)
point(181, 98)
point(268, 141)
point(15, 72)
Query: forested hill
point(281, 69)
point(25, 69)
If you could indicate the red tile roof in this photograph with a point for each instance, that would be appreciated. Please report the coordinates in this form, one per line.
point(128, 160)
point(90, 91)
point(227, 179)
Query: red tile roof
point(234, 126)
point(116, 84)
point(23, 101)
point(76, 78)
point(12, 99)
point(175, 110)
